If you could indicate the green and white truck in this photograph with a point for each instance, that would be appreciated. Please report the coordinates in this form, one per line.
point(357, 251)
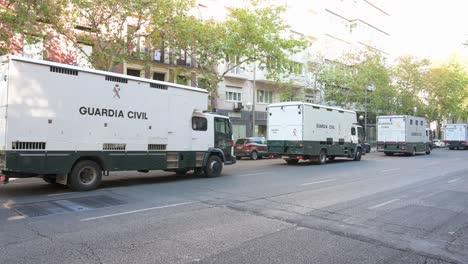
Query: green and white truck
point(71, 125)
point(303, 131)
point(456, 136)
point(402, 134)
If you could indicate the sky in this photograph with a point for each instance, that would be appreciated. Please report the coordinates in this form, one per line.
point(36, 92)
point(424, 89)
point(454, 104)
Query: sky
point(434, 29)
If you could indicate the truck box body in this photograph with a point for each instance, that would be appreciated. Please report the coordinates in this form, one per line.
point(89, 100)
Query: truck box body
point(303, 129)
point(456, 136)
point(52, 115)
point(401, 134)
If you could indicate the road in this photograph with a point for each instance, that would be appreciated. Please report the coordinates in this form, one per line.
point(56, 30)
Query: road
point(379, 210)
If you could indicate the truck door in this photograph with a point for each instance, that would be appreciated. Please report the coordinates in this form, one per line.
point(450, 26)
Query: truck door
point(354, 135)
point(223, 136)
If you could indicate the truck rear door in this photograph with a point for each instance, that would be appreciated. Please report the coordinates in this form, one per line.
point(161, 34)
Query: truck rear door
point(285, 123)
point(391, 129)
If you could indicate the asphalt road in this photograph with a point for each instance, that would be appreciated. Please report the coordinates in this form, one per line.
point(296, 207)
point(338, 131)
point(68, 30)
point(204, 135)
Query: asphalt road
point(379, 210)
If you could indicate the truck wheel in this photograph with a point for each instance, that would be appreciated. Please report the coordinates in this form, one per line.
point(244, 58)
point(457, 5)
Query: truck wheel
point(254, 155)
point(428, 150)
point(414, 152)
point(451, 148)
point(358, 155)
point(214, 166)
point(86, 175)
point(292, 161)
point(322, 158)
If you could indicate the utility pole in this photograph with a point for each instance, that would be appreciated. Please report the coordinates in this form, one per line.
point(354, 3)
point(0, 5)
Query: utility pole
point(253, 99)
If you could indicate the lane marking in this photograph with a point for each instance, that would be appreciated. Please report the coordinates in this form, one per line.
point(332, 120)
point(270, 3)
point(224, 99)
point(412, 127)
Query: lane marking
point(310, 183)
point(457, 179)
point(432, 163)
point(55, 194)
point(252, 174)
point(135, 211)
point(389, 170)
point(382, 204)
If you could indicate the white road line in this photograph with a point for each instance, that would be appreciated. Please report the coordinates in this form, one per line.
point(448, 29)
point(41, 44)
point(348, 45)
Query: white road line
point(390, 170)
point(382, 204)
point(310, 183)
point(252, 174)
point(432, 163)
point(135, 211)
point(457, 179)
point(56, 194)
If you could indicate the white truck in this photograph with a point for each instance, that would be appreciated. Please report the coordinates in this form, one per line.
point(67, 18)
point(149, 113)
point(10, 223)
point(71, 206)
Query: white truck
point(303, 131)
point(71, 125)
point(456, 136)
point(402, 134)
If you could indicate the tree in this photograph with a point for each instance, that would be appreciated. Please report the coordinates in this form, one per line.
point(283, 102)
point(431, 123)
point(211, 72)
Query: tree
point(359, 80)
point(447, 89)
point(117, 30)
point(408, 77)
point(249, 35)
point(25, 17)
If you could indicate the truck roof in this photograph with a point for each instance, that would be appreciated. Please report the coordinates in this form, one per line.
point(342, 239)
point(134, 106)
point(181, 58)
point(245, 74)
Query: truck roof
point(304, 103)
point(50, 63)
point(393, 116)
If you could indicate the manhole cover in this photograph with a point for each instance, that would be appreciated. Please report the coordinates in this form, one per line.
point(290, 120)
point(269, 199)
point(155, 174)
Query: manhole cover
point(65, 205)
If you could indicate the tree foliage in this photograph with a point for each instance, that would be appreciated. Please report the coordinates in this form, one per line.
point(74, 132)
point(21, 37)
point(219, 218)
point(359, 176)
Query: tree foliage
point(410, 86)
point(359, 80)
point(447, 89)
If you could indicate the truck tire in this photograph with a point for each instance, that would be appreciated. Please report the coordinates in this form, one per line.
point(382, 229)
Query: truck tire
point(254, 155)
point(291, 161)
point(322, 158)
point(214, 166)
point(414, 152)
point(86, 175)
point(451, 148)
point(358, 155)
point(428, 150)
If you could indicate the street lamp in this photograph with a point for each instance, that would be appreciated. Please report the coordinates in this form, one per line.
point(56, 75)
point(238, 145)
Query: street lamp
point(371, 88)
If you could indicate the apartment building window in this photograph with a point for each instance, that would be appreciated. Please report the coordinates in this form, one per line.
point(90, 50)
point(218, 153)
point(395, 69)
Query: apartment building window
point(296, 68)
point(231, 63)
point(33, 47)
point(309, 99)
point(233, 96)
point(264, 97)
point(133, 72)
point(83, 54)
point(159, 76)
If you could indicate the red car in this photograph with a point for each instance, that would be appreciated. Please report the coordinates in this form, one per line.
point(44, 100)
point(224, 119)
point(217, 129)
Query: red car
point(253, 147)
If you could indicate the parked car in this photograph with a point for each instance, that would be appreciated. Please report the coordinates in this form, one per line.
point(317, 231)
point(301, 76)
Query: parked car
point(253, 147)
point(438, 143)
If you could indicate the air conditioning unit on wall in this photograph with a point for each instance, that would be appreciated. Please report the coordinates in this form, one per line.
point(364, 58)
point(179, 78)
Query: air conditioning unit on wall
point(238, 106)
